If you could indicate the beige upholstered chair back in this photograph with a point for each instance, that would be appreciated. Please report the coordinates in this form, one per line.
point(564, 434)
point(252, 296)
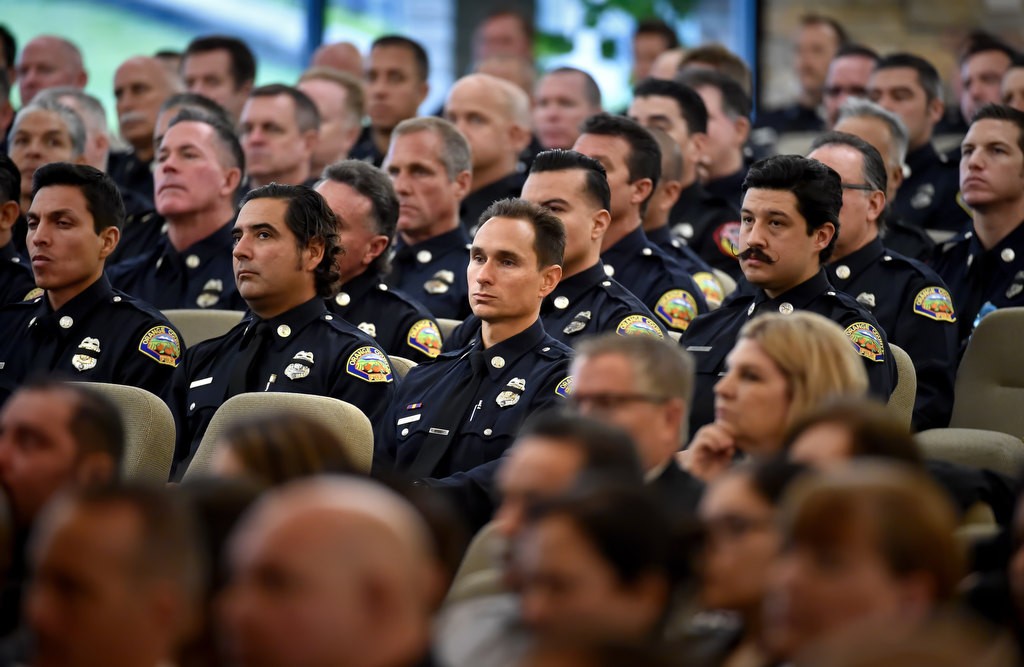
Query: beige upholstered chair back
point(447, 326)
point(197, 324)
point(401, 365)
point(901, 402)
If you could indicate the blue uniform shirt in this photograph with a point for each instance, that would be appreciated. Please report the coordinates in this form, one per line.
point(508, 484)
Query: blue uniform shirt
point(310, 351)
point(711, 337)
point(656, 279)
point(930, 197)
point(201, 276)
point(16, 279)
point(434, 273)
point(401, 326)
point(915, 310)
point(691, 262)
point(101, 335)
point(709, 225)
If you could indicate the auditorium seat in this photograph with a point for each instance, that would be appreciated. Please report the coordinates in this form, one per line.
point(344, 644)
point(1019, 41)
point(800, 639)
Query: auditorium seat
point(447, 326)
point(197, 324)
point(480, 571)
point(401, 365)
point(901, 402)
point(728, 282)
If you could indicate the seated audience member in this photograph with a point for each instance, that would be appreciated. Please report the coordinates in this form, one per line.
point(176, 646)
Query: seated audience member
point(340, 56)
point(565, 97)
point(43, 133)
point(848, 76)
point(494, 116)
point(46, 62)
point(781, 367)
point(452, 419)
point(220, 68)
point(16, 280)
point(643, 386)
point(118, 579)
point(741, 544)
point(366, 207)
point(199, 166)
point(397, 70)
point(170, 60)
point(340, 101)
point(80, 326)
point(717, 58)
point(983, 64)
point(651, 38)
point(278, 129)
point(1012, 86)
point(284, 258)
point(514, 69)
point(503, 32)
point(360, 571)
point(790, 219)
point(429, 165)
point(666, 65)
point(277, 448)
point(871, 547)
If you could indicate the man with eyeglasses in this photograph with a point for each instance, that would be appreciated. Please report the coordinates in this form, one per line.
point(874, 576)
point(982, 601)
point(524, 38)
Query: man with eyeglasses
point(910, 301)
point(848, 76)
point(642, 385)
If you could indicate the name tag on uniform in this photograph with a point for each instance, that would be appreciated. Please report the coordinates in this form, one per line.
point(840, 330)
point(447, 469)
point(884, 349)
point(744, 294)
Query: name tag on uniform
point(201, 383)
point(438, 431)
point(409, 420)
point(698, 348)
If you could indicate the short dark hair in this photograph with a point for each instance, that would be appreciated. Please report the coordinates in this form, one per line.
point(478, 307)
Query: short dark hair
point(595, 181)
point(195, 101)
point(524, 22)
point(817, 188)
point(222, 129)
point(307, 117)
point(873, 166)
point(659, 28)
point(548, 230)
point(10, 180)
point(309, 218)
point(419, 54)
point(8, 45)
point(690, 103)
point(861, 50)
point(374, 184)
point(927, 76)
point(102, 198)
point(719, 59)
point(644, 159)
point(842, 37)
point(606, 450)
point(772, 477)
point(1003, 112)
point(243, 63)
point(980, 41)
point(591, 91)
point(735, 101)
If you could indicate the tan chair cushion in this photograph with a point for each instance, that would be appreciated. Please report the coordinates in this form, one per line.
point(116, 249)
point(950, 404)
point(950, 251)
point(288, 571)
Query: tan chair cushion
point(401, 365)
point(447, 326)
point(478, 565)
point(989, 390)
point(901, 402)
point(990, 450)
point(197, 324)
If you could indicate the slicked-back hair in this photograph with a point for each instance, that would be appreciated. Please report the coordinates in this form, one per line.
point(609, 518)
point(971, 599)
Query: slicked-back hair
point(644, 159)
point(222, 130)
point(374, 184)
point(419, 54)
point(595, 178)
point(102, 198)
point(195, 101)
point(307, 117)
point(591, 91)
point(873, 169)
point(10, 180)
point(1005, 113)
point(548, 230)
point(90, 108)
point(859, 107)
point(72, 121)
point(817, 188)
point(243, 63)
point(691, 105)
point(980, 41)
point(310, 219)
point(605, 449)
point(927, 76)
point(456, 155)
point(659, 28)
point(736, 102)
point(848, 50)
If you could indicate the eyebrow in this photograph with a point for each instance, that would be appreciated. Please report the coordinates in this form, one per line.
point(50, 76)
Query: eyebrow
point(556, 200)
point(772, 212)
point(255, 227)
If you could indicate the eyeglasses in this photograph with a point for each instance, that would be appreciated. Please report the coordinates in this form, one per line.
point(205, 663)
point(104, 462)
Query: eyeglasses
point(863, 187)
point(609, 401)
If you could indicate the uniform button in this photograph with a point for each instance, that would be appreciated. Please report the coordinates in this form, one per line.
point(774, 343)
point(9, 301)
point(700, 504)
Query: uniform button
point(66, 322)
point(284, 331)
point(16, 260)
point(609, 270)
point(382, 287)
point(488, 431)
point(830, 293)
point(117, 299)
point(750, 311)
point(970, 260)
point(192, 261)
point(887, 258)
point(424, 256)
point(562, 303)
point(328, 317)
point(342, 299)
point(606, 283)
point(498, 362)
point(405, 431)
point(1007, 255)
point(786, 308)
point(545, 349)
point(647, 252)
point(968, 235)
point(192, 407)
point(843, 271)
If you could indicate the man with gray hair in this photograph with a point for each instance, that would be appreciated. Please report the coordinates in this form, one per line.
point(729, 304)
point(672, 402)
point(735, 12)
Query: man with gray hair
point(366, 206)
point(429, 164)
point(49, 61)
point(44, 132)
point(494, 116)
point(339, 98)
point(330, 571)
point(909, 300)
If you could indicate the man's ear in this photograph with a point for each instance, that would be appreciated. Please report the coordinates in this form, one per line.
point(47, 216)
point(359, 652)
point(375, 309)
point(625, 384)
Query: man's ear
point(424, 91)
point(823, 236)
point(314, 254)
point(670, 194)
point(550, 275)
point(378, 244)
point(309, 138)
point(232, 178)
point(599, 224)
point(742, 125)
point(641, 191)
point(8, 215)
point(519, 137)
point(936, 109)
point(461, 184)
point(109, 238)
point(876, 205)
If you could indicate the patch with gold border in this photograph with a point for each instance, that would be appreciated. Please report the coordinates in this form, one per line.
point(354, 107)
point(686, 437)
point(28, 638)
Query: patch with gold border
point(564, 388)
point(162, 345)
point(425, 337)
point(867, 341)
point(639, 325)
point(935, 303)
point(369, 365)
point(677, 308)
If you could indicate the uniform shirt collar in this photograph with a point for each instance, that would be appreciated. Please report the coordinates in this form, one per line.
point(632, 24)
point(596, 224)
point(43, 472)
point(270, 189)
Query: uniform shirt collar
point(207, 249)
point(860, 259)
point(359, 286)
point(455, 238)
point(798, 297)
point(78, 308)
point(660, 236)
point(573, 287)
point(1014, 241)
point(511, 349)
point(919, 158)
point(9, 253)
point(629, 245)
point(286, 325)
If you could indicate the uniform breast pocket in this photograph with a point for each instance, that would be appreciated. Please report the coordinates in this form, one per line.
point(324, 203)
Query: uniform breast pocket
point(203, 398)
point(708, 359)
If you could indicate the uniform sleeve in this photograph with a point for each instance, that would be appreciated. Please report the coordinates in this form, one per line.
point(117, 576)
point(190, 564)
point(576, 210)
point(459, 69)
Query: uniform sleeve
point(155, 352)
point(365, 379)
point(418, 338)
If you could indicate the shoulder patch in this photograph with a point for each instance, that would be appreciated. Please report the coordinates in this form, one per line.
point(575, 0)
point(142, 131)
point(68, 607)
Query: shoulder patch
point(369, 365)
point(727, 239)
point(34, 293)
point(935, 303)
point(713, 291)
point(677, 308)
point(867, 341)
point(564, 388)
point(425, 337)
point(162, 345)
point(639, 325)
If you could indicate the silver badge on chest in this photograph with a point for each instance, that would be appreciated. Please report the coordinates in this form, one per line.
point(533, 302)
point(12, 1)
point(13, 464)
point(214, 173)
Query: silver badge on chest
point(866, 299)
point(509, 397)
point(302, 364)
point(368, 328)
point(579, 323)
point(210, 295)
point(86, 359)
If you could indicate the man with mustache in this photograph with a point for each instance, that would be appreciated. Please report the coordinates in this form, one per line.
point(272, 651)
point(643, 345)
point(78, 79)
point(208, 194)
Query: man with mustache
point(788, 227)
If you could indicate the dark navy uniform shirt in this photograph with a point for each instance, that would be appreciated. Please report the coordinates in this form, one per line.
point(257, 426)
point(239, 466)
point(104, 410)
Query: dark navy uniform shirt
point(309, 351)
point(709, 225)
point(792, 118)
point(365, 149)
point(475, 203)
point(402, 327)
point(139, 235)
point(982, 280)
point(915, 310)
point(16, 279)
point(200, 276)
point(101, 335)
point(581, 305)
point(132, 174)
point(711, 337)
point(930, 197)
point(433, 272)
point(907, 240)
point(524, 374)
point(729, 188)
point(656, 279)
point(691, 262)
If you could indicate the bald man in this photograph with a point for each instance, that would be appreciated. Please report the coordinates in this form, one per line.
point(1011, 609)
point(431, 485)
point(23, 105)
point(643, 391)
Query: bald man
point(48, 61)
point(342, 56)
point(141, 85)
point(494, 116)
point(335, 571)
